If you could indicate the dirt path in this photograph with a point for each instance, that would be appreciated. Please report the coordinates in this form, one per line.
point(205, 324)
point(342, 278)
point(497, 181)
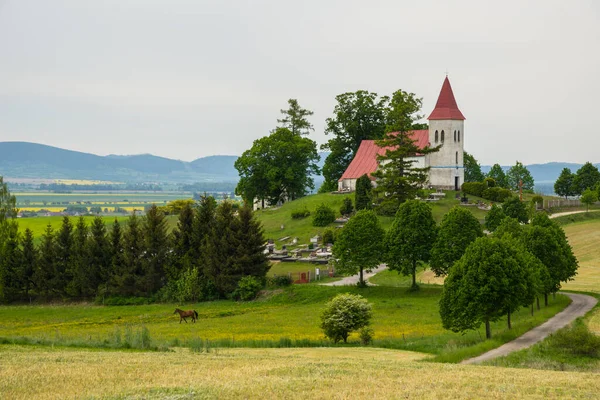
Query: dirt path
point(580, 305)
point(569, 213)
point(353, 280)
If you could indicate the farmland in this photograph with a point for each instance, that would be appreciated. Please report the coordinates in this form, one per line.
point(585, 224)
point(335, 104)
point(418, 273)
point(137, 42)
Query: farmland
point(325, 373)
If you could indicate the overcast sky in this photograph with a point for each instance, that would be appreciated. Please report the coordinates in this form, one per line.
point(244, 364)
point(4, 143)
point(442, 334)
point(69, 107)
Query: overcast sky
point(187, 79)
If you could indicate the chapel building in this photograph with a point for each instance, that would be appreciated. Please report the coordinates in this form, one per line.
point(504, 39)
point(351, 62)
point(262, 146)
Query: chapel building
point(446, 129)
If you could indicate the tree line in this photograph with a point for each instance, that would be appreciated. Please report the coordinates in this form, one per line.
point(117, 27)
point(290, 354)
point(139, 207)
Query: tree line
point(487, 277)
point(206, 256)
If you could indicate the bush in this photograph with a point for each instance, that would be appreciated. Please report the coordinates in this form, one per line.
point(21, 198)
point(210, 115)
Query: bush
point(577, 340)
point(474, 188)
point(248, 288)
point(344, 314)
point(347, 207)
point(489, 182)
point(300, 214)
point(497, 194)
point(328, 236)
point(366, 336)
point(324, 215)
point(281, 280)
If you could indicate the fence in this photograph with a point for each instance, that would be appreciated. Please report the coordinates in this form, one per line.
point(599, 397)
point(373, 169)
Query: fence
point(311, 276)
point(561, 203)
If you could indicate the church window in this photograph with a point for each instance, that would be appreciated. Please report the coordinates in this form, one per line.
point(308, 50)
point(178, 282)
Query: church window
point(457, 158)
point(442, 137)
point(459, 136)
point(436, 136)
point(455, 136)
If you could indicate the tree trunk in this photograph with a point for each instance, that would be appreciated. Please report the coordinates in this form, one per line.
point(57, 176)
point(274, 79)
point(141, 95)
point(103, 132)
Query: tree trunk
point(360, 279)
point(546, 299)
point(508, 319)
point(414, 275)
point(538, 302)
point(488, 330)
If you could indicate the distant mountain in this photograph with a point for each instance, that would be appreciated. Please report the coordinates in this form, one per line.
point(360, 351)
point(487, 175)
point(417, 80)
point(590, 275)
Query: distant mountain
point(33, 160)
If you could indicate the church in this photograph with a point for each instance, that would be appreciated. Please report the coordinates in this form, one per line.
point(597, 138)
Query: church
point(446, 129)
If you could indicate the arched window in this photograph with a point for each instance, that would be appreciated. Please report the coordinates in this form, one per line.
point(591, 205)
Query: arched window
point(455, 136)
point(459, 136)
point(442, 137)
point(457, 158)
point(436, 136)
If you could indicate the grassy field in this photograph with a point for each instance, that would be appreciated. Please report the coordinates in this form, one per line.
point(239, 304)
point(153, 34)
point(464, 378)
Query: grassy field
point(273, 219)
point(401, 320)
point(584, 238)
point(326, 373)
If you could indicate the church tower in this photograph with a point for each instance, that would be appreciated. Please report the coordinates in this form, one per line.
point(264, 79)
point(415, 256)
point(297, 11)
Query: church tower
point(446, 129)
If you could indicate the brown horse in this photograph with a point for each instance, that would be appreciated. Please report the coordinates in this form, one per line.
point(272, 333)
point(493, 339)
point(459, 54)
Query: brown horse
point(184, 314)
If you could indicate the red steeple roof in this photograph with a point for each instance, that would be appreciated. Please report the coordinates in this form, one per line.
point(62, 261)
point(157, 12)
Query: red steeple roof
point(446, 107)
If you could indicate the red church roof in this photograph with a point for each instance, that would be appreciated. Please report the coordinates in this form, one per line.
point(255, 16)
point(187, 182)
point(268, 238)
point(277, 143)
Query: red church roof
point(365, 159)
point(446, 107)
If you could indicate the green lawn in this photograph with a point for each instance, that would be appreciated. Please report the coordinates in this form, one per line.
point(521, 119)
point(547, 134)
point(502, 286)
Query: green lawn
point(401, 320)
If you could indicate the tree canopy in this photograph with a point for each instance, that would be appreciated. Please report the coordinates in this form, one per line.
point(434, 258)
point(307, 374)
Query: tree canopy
point(357, 116)
point(344, 314)
point(515, 208)
point(498, 175)
point(586, 177)
point(588, 197)
point(277, 168)
point(363, 194)
point(564, 185)
point(359, 246)
point(472, 169)
point(410, 238)
point(459, 228)
point(518, 173)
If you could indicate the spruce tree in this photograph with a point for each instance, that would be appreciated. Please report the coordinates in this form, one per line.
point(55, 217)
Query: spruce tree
point(99, 258)
point(156, 248)
point(204, 220)
point(182, 238)
point(250, 259)
point(64, 254)
point(221, 248)
point(79, 262)
point(45, 269)
point(117, 263)
point(11, 264)
point(362, 196)
point(30, 260)
point(131, 280)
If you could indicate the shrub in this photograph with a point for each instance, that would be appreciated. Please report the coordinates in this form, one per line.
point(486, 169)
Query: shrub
point(300, 214)
point(347, 207)
point(577, 340)
point(489, 182)
point(281, 280)
point(247, 288)
point(344, 314)
point(324, 215)
point(366, 336)
point(328, 236)
point(497, 194)
point(474, 188)
point(494, 217)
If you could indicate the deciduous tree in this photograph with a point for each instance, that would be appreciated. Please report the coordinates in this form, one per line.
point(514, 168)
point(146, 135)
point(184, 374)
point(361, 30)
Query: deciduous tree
point(360, 245)
point(564, 185)
point(519, 173)
point(588, 197)
point(410, 239)
point(472, 169)
point(586, 177)
point(459, 228)
point(498, 175)
point(344, 314)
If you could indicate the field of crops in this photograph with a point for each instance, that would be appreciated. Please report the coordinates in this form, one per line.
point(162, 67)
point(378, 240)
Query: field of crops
point(324, 373)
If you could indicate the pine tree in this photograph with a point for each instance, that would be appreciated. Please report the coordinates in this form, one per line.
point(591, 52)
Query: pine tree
point(156, 250)
point(11, 264)
point(64, 254)
point(250, 258)
point(45, 270)
point(204, 220)
point(398, 179)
